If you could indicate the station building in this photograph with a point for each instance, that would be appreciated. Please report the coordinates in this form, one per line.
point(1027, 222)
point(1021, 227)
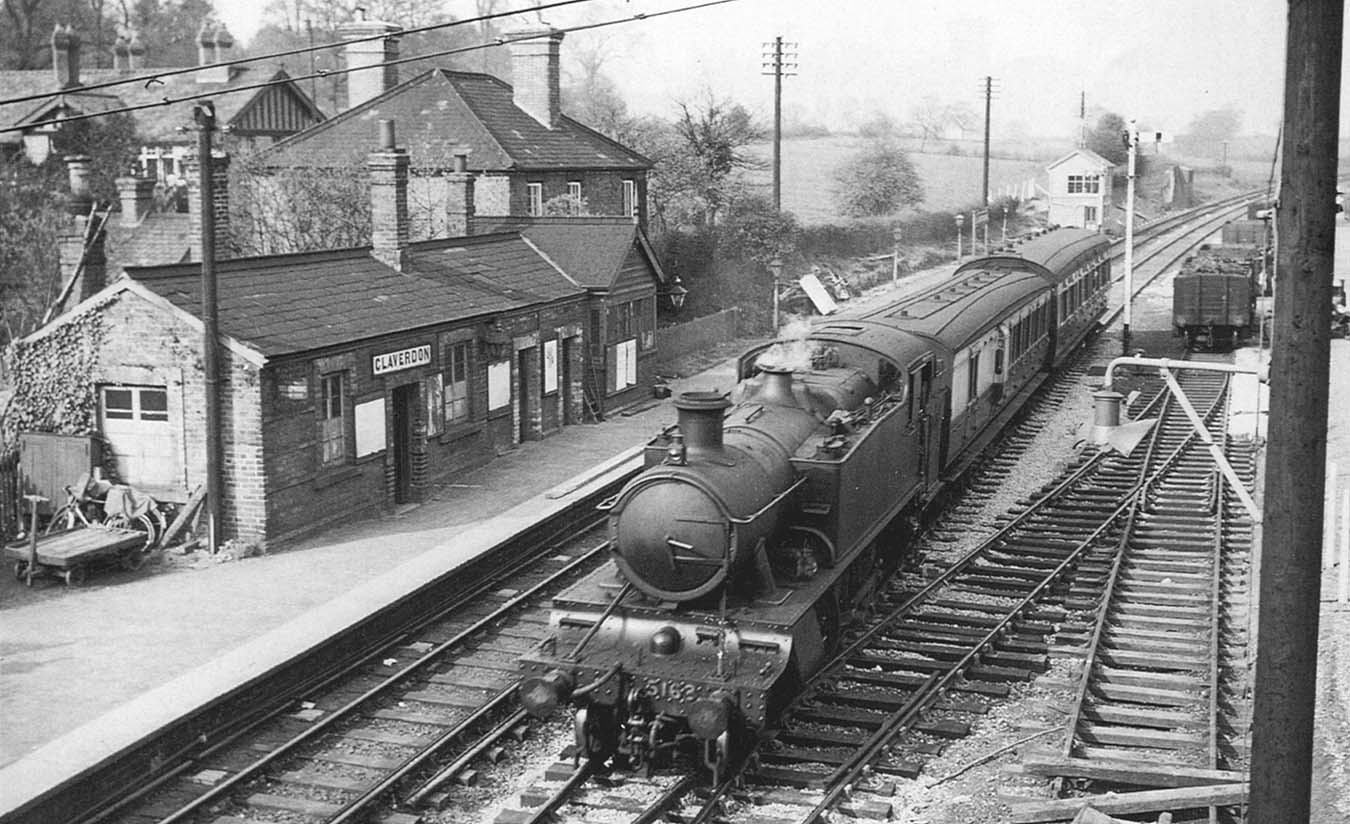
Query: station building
point(353, 379)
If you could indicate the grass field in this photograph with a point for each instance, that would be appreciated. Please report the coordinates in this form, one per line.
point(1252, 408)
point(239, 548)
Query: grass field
point(949, 181)
point(953, 181)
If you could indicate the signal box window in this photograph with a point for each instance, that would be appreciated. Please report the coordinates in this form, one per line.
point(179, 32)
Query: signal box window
point(332, 431)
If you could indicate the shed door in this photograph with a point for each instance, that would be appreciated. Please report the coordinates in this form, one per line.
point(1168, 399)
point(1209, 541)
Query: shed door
point(135, 422)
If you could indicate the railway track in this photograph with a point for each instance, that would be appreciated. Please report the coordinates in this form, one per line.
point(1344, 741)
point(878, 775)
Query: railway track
point(397, 730)
point(1162, 698)
point(390, 727)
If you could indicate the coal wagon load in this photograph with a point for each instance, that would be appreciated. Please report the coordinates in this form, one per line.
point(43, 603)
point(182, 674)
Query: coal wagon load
point(1214, 295)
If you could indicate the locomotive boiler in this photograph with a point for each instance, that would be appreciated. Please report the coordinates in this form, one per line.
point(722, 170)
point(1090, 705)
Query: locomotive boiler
point(763, 521)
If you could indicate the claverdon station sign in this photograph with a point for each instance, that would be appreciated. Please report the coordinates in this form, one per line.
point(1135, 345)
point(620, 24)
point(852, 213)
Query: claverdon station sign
point(402, 359)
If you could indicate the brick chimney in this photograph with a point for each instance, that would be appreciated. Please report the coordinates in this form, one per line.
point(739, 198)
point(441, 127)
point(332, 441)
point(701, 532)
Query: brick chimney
point(136, 52)
point(66, 57)
point(220, 203)
point(369, 79)
point(214, 42)
point(536, 75)
point(390, 233)
point(137, 195)
point(122, 54)
point(459, 208)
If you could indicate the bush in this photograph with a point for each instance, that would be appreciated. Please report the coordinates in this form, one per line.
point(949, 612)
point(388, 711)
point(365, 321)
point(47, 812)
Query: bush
point(877, 181)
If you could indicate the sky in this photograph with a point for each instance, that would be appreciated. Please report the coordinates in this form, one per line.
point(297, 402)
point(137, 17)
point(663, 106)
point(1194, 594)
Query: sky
point(1159, 64)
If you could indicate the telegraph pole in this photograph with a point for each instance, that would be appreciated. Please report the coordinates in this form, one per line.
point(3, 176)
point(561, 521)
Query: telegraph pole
point(988, 89)
point(778, 68)
point(204, 113)
point(1300, 371)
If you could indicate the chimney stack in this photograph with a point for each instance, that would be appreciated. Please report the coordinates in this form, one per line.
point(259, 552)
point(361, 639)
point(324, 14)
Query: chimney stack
point(536, 76)
point(71, 248)
point(66, 57)
point(213, 46)
point(220, 203)
point(122, 54)
point(459, 207)
point(367, 78)
point(137, 195)
point(390, 234)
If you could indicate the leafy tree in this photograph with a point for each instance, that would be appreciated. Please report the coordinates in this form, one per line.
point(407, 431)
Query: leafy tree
point(754, 230)
point(1210, 129)
point(879, 125)
point(715, 134)
point(1107, 139)
point(31, 221)
point(877, 181)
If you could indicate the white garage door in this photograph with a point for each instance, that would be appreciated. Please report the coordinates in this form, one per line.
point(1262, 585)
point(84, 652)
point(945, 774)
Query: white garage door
point(135, 421)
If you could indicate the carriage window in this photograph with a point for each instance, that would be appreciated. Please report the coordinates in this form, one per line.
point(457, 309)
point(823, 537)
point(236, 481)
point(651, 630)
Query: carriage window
point(973, 377)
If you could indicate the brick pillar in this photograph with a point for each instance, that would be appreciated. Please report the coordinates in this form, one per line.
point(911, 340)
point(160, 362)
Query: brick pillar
point(459, 206)
point(220, 204)
point(390, 233)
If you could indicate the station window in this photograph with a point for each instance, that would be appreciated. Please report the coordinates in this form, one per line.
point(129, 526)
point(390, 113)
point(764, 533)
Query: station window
point(535, 193)
point(332, 428)
point(574, 189)
point(457, 383)
point(135, 403)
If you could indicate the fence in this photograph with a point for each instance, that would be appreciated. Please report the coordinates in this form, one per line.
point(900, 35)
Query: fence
point(681, 339)
point(9, 494)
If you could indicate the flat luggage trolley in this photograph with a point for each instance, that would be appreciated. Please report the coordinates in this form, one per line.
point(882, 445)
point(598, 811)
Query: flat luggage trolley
point(67, 555)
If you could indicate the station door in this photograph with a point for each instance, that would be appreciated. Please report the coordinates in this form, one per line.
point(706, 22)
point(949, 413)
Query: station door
point(135, 422)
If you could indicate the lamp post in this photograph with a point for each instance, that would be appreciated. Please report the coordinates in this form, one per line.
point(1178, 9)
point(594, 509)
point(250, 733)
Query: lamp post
point(677, 293)
point(960, 227)
point(776, 269)
point(895, 260)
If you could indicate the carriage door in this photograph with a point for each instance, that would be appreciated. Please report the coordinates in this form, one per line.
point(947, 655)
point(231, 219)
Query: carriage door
point(920, 397)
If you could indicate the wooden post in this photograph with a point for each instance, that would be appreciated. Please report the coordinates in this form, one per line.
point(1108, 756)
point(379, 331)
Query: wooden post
point(33, 501)
point(1290, 575)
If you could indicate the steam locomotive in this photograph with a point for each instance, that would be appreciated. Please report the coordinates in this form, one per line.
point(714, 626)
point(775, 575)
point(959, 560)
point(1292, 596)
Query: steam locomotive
point(760, 523)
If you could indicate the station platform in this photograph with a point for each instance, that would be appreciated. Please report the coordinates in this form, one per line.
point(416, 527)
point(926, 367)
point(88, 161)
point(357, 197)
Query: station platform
point(85, 671)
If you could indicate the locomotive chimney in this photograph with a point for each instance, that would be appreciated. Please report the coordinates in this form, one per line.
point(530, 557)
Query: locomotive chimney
point(700, 419)
point(777, 386)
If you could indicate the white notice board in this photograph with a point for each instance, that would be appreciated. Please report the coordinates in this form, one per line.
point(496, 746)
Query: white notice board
point(369, 427)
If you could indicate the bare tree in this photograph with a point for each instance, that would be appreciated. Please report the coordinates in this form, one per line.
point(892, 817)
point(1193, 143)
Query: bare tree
point(930, 119)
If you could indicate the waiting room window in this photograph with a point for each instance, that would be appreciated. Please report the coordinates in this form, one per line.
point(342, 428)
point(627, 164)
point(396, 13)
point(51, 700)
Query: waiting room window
point(457, 384)
point(574, 189)
point(333, 432)
point(630, 198)
point(536, 197)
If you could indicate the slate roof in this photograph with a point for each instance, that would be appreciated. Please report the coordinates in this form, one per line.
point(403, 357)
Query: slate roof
point(288, 304)
point(158, 124)
point(590, 249)
point(1092, 156)
point(441, 113)
point(160, 238)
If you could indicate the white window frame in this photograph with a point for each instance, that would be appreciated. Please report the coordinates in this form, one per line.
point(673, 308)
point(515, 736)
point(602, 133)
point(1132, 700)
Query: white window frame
point(574, 189)
point(332, 419)
point(630, 204)
point(457, 408)
point(535, 195)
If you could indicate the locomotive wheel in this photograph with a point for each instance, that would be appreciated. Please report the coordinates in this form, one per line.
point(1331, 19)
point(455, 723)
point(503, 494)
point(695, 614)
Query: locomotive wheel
point(597, 736)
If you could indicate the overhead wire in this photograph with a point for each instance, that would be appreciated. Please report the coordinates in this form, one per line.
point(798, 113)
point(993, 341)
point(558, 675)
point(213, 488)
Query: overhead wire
point(500, 41)
point(151, 78)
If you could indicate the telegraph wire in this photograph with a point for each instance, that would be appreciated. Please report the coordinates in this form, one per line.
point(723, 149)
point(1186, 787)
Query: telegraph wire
point(167, 101)
point(150, 79)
